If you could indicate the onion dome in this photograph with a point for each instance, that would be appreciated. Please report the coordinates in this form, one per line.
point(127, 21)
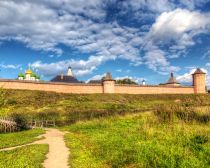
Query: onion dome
point(20, 75)
point(37, 77)
point(29, 71)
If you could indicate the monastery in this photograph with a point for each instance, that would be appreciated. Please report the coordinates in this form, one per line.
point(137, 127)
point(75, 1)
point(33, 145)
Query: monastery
point(69, 84)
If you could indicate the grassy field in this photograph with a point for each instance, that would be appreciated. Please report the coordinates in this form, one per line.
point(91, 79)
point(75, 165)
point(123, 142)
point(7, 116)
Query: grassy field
point(69, 108)
point(26, 157)
point(19, 138)
point(122, 131)
point(30, 156)
point(139, 140)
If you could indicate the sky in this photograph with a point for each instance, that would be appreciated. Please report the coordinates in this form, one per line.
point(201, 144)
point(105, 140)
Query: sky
point(137, 39)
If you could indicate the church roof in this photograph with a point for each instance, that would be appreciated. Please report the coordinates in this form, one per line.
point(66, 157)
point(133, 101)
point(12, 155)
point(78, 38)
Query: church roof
point(29, 71)
point(199, 71)
point(65, 79)
point(108, 76)
point(172, 79)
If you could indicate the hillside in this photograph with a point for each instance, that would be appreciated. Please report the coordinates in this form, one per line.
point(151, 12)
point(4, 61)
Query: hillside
point(122, 131)
point(73, 107)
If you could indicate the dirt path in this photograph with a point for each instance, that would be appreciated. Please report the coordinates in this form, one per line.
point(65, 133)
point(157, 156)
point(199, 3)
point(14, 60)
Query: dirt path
point(58, 152)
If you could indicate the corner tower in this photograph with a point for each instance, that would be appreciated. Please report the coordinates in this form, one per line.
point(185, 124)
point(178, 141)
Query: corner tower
point(108, 84)
point(199, 81)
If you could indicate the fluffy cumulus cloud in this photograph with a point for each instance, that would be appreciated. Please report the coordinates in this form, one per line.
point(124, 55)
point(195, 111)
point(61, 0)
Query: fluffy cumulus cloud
point(9, 66)
point(80, 67)
point(44, 25)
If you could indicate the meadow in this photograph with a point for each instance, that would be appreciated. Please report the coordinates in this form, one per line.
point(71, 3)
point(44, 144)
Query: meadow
point(70, 108)
point(29, 156)
point(113, 131)
point(139, 140)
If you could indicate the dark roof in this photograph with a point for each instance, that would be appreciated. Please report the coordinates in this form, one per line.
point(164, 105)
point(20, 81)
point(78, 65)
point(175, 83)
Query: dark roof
point(94, 81)
point(172, 80)
point(199, 71)
point(108, 76)
point(65, 79)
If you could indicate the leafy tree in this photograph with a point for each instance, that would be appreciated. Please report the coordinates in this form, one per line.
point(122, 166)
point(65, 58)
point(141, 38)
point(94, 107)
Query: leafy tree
point(126, 81)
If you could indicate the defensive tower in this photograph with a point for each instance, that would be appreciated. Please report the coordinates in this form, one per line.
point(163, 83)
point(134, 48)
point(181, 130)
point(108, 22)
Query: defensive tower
point(199, 81)
point(108, 84)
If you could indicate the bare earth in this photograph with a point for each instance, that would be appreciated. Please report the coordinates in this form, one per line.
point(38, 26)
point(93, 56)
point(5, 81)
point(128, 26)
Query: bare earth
point(58, 152)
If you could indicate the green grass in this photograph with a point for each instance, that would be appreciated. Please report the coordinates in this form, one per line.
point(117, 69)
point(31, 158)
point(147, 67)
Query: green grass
point(70, 108)
point(19, 138)
point(138, 141)
point(26, 157)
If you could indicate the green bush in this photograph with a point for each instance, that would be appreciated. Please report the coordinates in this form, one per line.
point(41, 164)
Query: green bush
point(21, 121)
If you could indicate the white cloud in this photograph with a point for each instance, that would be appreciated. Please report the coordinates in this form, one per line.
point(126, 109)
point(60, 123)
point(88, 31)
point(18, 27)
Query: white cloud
point(177, 23)
point(96, 77)
point(80, 24)
point(80, 67)
point(9, 66)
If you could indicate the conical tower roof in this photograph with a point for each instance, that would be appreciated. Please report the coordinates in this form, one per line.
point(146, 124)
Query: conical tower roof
point(108, 77)
point(172, 79)
point(199, 71)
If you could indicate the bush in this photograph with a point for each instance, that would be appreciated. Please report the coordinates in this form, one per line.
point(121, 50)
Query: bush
point(21, 121)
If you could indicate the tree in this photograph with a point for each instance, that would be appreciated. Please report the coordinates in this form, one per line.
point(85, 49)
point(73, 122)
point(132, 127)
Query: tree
point(126, 81)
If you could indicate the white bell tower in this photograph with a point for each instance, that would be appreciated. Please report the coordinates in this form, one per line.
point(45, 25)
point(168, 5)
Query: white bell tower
point(69, 73)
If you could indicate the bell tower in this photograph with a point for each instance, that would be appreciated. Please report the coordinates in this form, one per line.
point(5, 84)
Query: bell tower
point(199, 81)
point(69, 73)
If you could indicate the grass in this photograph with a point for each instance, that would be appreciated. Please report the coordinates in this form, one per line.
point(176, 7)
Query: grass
point(19, 138)
point(175, 133)
point(26, 157)
point(138, 141)
point(70, 108)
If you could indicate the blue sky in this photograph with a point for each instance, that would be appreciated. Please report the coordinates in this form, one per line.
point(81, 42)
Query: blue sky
point(139, 39)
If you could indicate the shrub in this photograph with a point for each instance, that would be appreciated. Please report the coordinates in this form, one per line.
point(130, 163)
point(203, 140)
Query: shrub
point(21, 121)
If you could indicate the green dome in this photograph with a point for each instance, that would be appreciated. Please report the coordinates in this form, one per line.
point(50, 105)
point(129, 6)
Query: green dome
point(20, 75)
point(33, 75)
point(37, 77)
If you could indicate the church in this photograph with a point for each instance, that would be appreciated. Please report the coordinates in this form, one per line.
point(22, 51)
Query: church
point(68, 78)
point(29, 75)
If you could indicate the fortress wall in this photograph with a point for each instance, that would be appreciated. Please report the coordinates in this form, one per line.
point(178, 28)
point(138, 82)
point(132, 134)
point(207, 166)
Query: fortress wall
point(55, 87)
point(129, 89)
point(93, 88)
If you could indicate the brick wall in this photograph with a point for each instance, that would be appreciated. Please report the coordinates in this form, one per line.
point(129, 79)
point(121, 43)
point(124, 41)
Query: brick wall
point(93, 88)
point(129, 89)
point(56, 87)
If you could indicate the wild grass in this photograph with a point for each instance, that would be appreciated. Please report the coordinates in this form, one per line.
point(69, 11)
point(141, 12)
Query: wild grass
point(172, 112)
point(138, 140)
point(19, 138)
point(70, 108)
point(26, 157)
